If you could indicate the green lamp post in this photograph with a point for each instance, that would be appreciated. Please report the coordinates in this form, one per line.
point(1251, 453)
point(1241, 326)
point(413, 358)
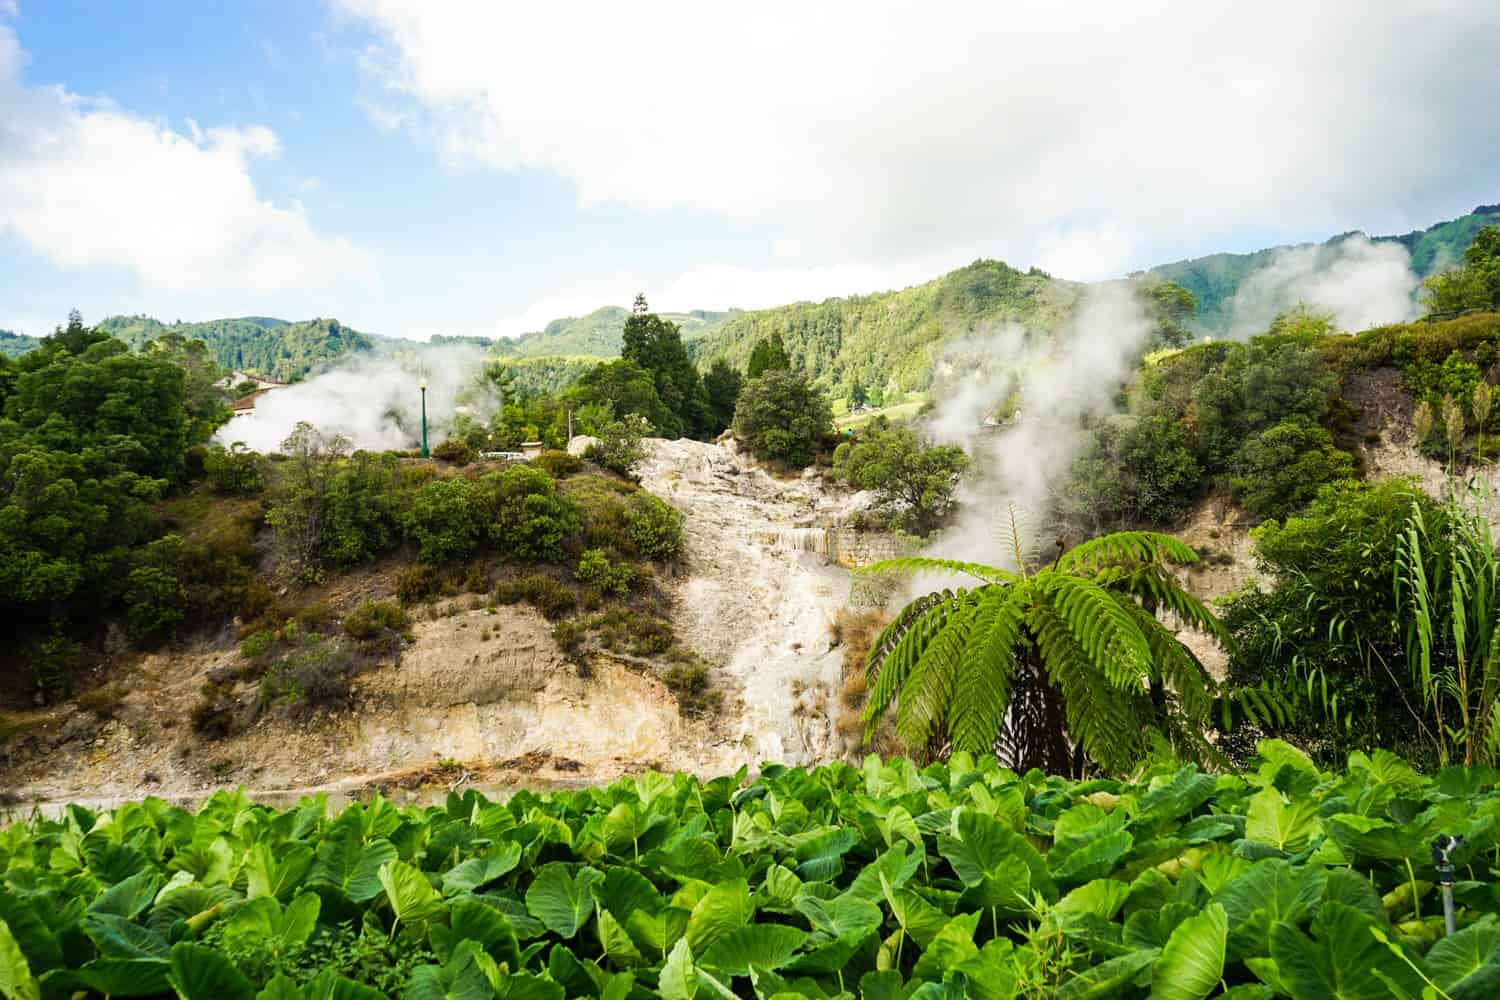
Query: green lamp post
point(423, 384)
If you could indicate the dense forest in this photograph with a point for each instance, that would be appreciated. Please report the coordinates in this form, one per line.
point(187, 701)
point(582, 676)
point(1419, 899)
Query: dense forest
point(271, 348)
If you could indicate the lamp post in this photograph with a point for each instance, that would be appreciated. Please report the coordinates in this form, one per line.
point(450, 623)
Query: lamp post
point(423, 384)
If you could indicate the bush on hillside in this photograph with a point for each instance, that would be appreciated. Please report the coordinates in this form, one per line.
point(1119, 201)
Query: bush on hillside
point(558, 464)
point(528, 516)
point(655, 526)
point(595, 570)
point(454, 450)
point(783, 417)
point(234, 471)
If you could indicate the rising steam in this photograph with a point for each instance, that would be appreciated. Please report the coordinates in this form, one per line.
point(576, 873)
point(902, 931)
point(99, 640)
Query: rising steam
point(1364, 284)
point(374, 401)
point(1059, 381)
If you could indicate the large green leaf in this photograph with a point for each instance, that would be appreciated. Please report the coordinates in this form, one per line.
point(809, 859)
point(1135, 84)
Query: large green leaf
point(764, 946)
point(1286, 826)
point(117, 937)
point(346, 863)
point(201, 973)
point(279, 873)
point(472, 920)
point(119, 977)
point(1192, 963)
point(679, 976)
point(721, 910)
point(1466, 966)
point(562, 899)
point(1107, 978)
point(411, 897)
point(1341, 961)
point(979, 847)
point(16, 982)
point(476, 873)
point(1094, 859)
point(129, 898)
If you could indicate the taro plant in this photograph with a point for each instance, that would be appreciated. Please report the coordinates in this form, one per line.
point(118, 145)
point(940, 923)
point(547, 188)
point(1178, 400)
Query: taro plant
point(1053, 666)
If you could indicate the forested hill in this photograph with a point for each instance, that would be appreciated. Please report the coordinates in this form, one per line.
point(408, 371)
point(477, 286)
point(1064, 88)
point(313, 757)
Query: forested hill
point(894, 339)
point(1214, 279)
point(599, 334)
point(272, 348)
point(15, 344)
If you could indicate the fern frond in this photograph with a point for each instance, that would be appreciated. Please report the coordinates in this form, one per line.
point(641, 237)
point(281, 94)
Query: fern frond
point(1181, 673)
point(1126, 547)
point(1106, 632)
point(917, 565)
point(927, 695)
point(1105, 721)
point(983, 690)
point(893, 653)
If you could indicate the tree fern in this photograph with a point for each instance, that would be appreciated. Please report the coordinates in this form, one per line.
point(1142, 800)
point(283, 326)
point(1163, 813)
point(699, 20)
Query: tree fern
point(1049, 664)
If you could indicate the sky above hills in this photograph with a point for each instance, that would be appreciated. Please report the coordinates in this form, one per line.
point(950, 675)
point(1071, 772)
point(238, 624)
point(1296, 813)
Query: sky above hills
point(418, 166)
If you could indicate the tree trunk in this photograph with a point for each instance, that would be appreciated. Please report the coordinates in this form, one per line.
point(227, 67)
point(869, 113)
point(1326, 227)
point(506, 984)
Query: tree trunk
point(1036, 729)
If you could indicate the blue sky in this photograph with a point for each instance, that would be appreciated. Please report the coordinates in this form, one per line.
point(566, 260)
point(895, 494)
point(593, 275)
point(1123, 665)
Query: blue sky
point(416, 168)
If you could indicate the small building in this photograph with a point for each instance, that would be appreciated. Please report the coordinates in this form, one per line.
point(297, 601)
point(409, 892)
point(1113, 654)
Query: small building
point(531, 449)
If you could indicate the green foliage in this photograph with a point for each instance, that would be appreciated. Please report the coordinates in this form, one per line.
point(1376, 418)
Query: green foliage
point(655, 526)
point(1138, 469)
point(783, 417)
point(911, 476)
point(153, 600)
point(548, 595)
point(1038, 664)
point(1280, 469)
point(722, 384)
point(529, 518)
point(620, 444)
point(892, 341)
point(373, 621)
point(655, 345)
point(454, 450)
point(595, 570)
point(13, 345)
point(1474, 284)
point(272, 348)
point(769, 355)
point(558, 464)
point(1327, 633)
point(234, 471)
point(447, 519)
point(626, 390)
point(959, 879)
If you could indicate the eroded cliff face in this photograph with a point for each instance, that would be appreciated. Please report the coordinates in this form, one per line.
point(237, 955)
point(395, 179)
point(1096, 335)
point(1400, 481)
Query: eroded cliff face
point(485, 695)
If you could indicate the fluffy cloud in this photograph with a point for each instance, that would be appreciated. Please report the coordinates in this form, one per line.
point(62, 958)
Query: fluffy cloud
point(86, 183)
point(882, 129)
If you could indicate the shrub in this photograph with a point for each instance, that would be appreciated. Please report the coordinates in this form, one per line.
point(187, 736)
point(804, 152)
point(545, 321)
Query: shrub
point(418, 583)
point(595, 570)
point(51, 662)
point(655, 527)
point(783, 417)
point(1281, 469)
point(530, 517)
point(446, 519)
point(549, 596)
point(454, 450)
point(153, 602)
point(689, 684)
point(374, 619)
point(620, 443)
point(235, 470)
point(558, 464)
point(257, 644)
point(908, 474)
point(315, 673)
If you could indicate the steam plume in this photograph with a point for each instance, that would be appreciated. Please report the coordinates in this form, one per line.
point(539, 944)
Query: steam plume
point(1365, 284)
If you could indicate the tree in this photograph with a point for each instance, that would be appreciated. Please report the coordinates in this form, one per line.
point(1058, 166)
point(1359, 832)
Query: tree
point(768, 355)
point(910, 475)
point(723, 384)
point(783, 417)
point(1048, 666)
point(627, 389)
point(1137, 470)
point(299, 516)
point(1170, 307)
point(656, 346)
point(619, 446)
point(1474, 284)
point(1282, 468)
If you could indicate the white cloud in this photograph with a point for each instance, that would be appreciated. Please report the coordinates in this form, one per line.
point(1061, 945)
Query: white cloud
point(87, 183)
point(880, 131)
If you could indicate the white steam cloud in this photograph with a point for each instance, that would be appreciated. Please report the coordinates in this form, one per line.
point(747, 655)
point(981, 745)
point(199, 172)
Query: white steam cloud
point(1365, 284)
point(374, 401)
point(1060, 379)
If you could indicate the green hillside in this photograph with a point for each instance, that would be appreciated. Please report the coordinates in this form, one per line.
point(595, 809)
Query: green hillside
point(260, 345)
point(894, 340)
point(597, 335)
point(13, 345)
point(1214, 279)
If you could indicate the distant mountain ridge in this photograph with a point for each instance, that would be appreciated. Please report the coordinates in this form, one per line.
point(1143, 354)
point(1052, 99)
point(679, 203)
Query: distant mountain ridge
point(260, 345)
point(1214, 279)
point(599, 334)
point(15, 344)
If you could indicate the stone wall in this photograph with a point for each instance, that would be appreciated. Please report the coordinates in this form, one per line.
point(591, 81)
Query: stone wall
point(851, 548)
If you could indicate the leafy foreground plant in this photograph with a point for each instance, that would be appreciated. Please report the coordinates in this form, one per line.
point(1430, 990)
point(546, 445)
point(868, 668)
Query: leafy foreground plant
point(961, 879)
point(1047, 666)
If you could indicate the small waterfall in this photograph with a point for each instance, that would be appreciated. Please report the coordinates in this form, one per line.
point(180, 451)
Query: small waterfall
point(819, 540)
